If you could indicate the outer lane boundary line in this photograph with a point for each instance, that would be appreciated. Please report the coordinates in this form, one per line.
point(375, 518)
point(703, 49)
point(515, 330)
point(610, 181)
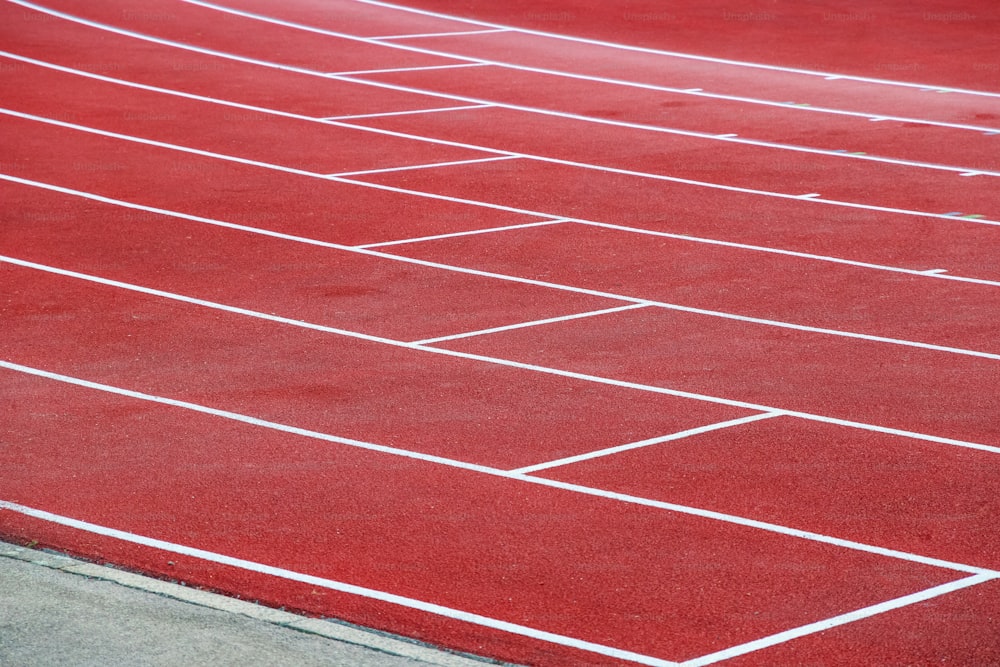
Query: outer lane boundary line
point(538, 283)
point(680, 435)
point(755, 407)
point(400, 69)
point(339, 586)
point(389, 86)
point(338, 122)
point(439, 34)
point(497, 472)
point(673, 54)
point(582, 77)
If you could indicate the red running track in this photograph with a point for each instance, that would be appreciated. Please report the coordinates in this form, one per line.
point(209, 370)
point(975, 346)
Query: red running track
point(561, 336)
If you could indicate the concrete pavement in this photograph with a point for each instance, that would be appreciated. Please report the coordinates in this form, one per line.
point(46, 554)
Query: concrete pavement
point(56, 610)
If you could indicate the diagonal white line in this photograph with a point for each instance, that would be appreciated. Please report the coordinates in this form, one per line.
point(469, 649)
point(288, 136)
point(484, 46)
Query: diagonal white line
point(533, 323)
point(495, 360)
point(471, 232)
point(842, 619)
point(442, 34)
point(343, 587)
point(529, 479)
point(674, 54)
point(401, 69)
point(429, 165)
point(409, 113)
point(645, 443)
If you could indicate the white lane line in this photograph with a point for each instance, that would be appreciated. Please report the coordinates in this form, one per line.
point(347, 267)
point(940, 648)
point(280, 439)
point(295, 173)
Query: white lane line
point(429, 165)
point(438, 34)
point(477, 101)
point(484, 104)
point(570, 75)
point(755, 407)
point(496, 472)
point(408, 113)
point(343, 587)
point(842, 619)
point(532, 323)
point(527, 470)
point(471, 232)
point(610, 295)
point(674, 54)
point(626, 172)
point(472, 147)
point(390, 70)
point(388, 86)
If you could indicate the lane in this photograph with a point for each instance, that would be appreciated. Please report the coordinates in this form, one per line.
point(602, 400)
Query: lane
point(609, 104)
point(314, 208)
point(707, 160)
point(322, 285)
point(630, 577)
point(185, 22)
point(361, 389)
point(891, 386)
point(40, 36)
point(243, 133)
point(874, 488)
point(732, 280)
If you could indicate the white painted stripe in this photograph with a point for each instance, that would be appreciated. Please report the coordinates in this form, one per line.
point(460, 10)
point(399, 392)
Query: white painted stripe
point(674, 54)
point(471, 232)
point(418, 193)
point(481, 104)
point(401, 69)
point(388, 86)
point(566, 74)
point(361, 591)
point(842, 619)
point(499, 361)
point(619, 297)
point(441, 34)
point(527, 470)
point(533, 323)
point(409, 113)
point(529, 479)
point(429, 165)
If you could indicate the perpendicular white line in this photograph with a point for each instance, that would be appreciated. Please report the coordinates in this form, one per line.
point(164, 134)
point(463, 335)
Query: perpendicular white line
point(429, 165)
point(671, 54)
point(442, 34)
point(842, 619)
point(496, 472)
point(756, 407)
point(343, 587)
point(527, 470)
point(389, 70)
point(471, 232)
point(533, 323)
point(461, 107)
point(561, 73)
